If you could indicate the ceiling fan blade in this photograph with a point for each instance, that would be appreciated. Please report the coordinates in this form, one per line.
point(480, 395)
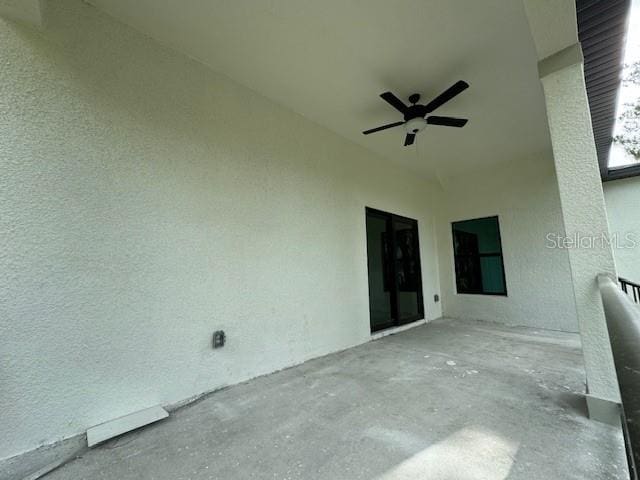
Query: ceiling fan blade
point(457, 88)
point(408, 140)
point(447, 121)
point(383, 127)
point(394, 101)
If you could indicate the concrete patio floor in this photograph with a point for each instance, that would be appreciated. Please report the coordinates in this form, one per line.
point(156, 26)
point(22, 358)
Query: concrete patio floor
point(448, 400)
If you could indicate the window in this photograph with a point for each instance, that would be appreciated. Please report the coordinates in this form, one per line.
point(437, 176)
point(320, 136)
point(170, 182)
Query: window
point(395, 280)
point(477, 250)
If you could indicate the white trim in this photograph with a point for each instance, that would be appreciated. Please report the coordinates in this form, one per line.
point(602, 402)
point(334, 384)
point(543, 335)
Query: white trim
point(603, 410)
point(572, 55)
point(113, 428)
point(401, 328)
point(25, 11)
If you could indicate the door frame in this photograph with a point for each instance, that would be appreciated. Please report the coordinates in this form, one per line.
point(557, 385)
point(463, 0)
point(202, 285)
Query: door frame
point(395, 320)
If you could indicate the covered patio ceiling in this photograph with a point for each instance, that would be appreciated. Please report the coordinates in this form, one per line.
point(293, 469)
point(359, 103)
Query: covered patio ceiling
point(329, 61)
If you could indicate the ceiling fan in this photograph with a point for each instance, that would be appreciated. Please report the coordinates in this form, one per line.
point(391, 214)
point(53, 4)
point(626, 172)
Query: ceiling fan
point(415, 116)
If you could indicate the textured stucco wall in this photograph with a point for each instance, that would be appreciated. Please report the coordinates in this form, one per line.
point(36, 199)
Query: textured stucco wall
point(146, 202)
point(622, 198)
point(525, 197)
point(583, 214)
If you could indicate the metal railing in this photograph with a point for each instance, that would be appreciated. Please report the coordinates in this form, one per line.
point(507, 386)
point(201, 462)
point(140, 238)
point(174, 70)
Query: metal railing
point(630, 288)
point(623, 323)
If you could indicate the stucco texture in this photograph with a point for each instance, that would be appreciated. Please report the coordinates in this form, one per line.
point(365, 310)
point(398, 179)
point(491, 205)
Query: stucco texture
point(584, 214)
point(622, 198)
point(146, 202)
point(525, 198)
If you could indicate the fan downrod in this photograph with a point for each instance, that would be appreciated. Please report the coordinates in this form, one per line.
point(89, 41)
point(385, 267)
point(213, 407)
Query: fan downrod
point(415, 98)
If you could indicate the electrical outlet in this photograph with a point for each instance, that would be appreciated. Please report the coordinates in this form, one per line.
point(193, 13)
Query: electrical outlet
point(436, 298)
point(219, 339)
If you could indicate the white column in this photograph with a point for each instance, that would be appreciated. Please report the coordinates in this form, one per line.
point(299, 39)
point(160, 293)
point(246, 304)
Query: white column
point(584, 214)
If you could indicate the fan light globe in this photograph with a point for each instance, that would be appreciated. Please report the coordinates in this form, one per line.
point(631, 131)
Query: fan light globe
point(415, 125)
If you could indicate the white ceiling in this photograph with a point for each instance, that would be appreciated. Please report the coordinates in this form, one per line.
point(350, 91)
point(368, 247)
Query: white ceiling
point(329, 60)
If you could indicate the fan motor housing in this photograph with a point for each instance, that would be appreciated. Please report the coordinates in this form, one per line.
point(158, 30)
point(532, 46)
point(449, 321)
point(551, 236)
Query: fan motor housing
point(414, 111)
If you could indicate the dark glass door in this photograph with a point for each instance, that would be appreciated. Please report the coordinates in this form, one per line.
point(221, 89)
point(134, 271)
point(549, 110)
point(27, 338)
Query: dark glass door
point(379, 252)
point(395, 281)
point(407, 270)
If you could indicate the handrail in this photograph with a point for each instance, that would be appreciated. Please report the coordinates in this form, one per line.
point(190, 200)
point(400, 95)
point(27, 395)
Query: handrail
point(628, 284)
point(623, 322)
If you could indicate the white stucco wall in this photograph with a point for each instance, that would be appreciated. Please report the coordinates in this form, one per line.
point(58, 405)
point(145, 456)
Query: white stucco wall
point(146, 202)
point(622, 198)
point(525, 197)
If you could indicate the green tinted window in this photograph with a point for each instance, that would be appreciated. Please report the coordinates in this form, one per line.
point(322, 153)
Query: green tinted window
point(477, 249)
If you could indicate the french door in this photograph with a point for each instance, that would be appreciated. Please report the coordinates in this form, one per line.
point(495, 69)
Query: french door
point(395, 280)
